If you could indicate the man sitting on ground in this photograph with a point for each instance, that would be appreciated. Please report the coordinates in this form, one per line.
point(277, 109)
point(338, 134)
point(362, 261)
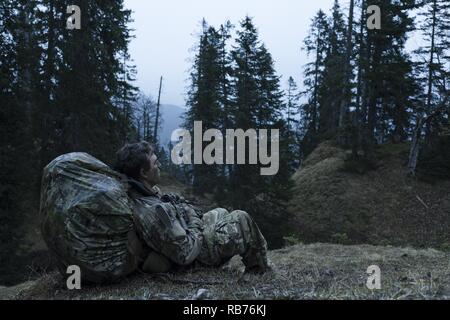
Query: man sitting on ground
point(172, 233)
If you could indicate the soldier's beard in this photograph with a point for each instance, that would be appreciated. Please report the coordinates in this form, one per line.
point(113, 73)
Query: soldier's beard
point(150, 178)
point(154, 177)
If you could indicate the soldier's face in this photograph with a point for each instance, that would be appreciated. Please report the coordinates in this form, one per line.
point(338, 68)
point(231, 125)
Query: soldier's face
point(152, 176)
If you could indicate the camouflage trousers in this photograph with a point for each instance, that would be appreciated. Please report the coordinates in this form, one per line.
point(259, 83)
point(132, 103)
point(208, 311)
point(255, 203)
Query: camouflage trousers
point(227, 234)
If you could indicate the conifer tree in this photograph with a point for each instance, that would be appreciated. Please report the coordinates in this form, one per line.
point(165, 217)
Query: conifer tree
point(388, 75)
point(335, 83)
point(293, 120)
point(316, 46)
point(144, 114)
point(206, 98)
point(94, 94)
point(432, 113)
point(258, 104)
point(249, 109)
point(19, 86)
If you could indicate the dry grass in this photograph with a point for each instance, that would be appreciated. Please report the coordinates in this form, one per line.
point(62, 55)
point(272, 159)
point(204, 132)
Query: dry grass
point(318, 271)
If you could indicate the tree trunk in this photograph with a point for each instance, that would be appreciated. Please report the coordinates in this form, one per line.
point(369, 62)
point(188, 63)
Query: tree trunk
point(415, 144)
point(155, 135)
point(414, 151)
point(430, 65)
point(357, 119)
point(346, 96)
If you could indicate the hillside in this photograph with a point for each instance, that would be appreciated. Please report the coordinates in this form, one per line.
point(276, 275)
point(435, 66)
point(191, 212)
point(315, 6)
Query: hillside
point(340, 201)
point(317, 271)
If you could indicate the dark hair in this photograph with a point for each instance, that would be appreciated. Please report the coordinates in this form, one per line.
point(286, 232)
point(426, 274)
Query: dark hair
point(131, 158)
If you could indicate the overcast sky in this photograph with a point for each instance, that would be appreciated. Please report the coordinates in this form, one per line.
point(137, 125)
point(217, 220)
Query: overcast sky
point(165, 32)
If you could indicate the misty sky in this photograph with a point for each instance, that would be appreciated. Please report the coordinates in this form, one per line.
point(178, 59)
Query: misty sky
point(165, 34)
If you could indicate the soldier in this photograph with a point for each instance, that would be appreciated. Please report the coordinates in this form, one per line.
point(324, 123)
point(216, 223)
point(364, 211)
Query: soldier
point(173, 233)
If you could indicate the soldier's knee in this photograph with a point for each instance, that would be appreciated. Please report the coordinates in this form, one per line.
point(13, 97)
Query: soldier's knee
point(241, 215)
point(249, 227)
point(221, 211)
point(213, 216)
point(245, 221)
point(216, 212)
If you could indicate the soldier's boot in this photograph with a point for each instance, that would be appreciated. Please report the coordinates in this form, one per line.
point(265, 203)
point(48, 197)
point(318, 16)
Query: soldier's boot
point(255, 255)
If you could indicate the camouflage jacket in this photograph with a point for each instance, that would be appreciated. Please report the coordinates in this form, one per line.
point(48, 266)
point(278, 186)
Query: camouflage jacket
point(166, 224)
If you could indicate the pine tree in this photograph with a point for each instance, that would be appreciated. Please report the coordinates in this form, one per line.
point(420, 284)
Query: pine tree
point(225, 100)
point(225, 69)
point(347, 71)
point(385, 87)
point(388, 77)
point(206, 98)
point(359, 116)
point(248, 110)
point(144, 114)
point(335, 83)
point(94, 94)
point(433, 108)
point(316, 45)
point(18, 88)
point(435, 53)
point(292, 105)
point(293, 121)
point(258, 104)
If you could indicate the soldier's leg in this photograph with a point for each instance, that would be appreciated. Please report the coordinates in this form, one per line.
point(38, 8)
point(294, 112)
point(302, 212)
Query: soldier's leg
point(228, 234)
point(146, 259)
point(215, 239)
point(255, 255)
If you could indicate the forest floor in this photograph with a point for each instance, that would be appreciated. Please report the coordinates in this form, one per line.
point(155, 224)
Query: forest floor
point(316, 271)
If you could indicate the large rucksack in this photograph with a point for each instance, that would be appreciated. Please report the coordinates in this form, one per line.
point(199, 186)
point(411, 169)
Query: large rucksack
point(87, 218)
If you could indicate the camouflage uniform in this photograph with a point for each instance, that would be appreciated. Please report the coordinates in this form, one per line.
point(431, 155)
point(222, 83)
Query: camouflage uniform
point(227, 234)
point(173, 230)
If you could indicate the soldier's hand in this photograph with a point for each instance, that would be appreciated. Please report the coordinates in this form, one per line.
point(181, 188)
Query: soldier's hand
point(172, 198)
point(192, 217)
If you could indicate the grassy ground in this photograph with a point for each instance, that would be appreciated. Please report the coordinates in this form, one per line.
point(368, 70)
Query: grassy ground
point(317, 271)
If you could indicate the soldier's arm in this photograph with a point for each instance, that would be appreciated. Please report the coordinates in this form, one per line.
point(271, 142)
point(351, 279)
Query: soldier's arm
point(177, 200)
point(181, 240)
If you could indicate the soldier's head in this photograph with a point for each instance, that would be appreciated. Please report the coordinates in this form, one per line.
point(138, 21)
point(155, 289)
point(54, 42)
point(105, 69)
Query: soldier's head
point(139, 161)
